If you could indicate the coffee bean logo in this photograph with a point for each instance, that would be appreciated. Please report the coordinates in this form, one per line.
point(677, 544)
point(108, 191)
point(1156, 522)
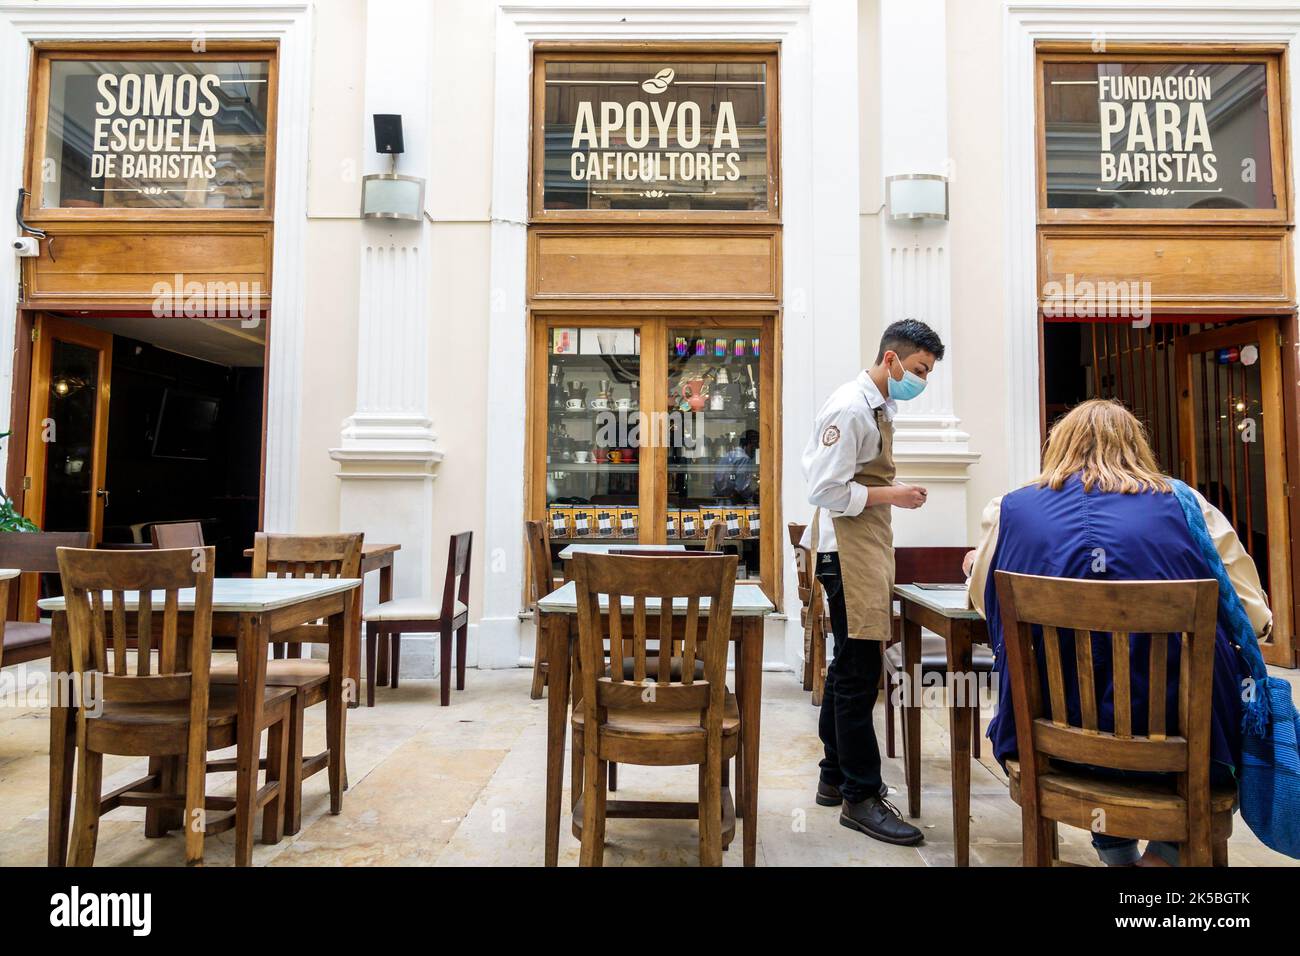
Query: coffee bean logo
point(659, 82)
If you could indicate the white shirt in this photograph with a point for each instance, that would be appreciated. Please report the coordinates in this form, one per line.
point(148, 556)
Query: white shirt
point(844, 438)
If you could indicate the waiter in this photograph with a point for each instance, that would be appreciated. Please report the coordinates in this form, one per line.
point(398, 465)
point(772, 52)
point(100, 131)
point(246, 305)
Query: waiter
point(849, 466)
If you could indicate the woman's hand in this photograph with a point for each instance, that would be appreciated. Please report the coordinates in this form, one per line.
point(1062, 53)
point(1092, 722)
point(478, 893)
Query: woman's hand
point(968, 562)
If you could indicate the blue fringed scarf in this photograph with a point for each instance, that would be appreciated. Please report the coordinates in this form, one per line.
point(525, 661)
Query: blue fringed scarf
point(1269, 784)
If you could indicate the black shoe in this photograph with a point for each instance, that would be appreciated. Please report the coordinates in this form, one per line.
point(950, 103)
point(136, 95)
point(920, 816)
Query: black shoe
point(880, 820)
point(828, 795)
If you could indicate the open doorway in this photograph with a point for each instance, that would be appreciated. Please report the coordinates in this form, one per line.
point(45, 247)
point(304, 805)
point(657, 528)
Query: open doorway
point(135, 420)
point(1210, 396)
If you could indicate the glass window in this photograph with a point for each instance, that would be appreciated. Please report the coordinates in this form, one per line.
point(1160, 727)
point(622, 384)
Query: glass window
point(1157, 135)
point(156, 134)
point(714, 441)
point(657, 134)
point(593, 434)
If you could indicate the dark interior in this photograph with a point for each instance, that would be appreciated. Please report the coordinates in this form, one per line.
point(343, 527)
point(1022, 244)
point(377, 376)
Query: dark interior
point(184, 444)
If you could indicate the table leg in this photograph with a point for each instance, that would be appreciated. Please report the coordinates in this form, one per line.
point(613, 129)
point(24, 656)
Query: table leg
point(738, 794)
point(336, 704)
point(63, 745)
point(751, 660)
point(912, 713)
point(254, 633)
point(557, 713)
point(385, 594)
point(959, 723)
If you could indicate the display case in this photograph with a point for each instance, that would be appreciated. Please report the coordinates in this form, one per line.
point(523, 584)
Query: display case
point(645, 430)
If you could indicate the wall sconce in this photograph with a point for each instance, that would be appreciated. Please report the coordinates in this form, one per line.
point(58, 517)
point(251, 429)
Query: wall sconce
point(388, 195)
point(917, 196)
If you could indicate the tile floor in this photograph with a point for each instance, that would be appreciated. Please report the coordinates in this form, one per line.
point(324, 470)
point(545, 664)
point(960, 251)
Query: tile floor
point(464, 785)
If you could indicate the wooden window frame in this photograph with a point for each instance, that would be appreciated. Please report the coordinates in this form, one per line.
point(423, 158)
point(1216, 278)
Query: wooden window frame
point(1272, 55)
point(38, 118)
point(549, 52)
point(654, 325)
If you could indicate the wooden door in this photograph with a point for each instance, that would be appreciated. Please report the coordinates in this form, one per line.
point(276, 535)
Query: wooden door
point(1232, 447)
point(67, 427)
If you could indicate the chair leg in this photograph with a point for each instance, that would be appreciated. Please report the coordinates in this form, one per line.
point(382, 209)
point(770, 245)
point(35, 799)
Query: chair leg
point(444, 666)
point(278, 760)
point(710, 802)
point(576, 767)
point(593, 812)
point(613, 776)
point(195, 820)
point(1039, 838)
point(372, 642)
point(293, 785)
point(381, 674)
point(394, 658)
point(539, 666)
point(1219, 853)
point(85, 828)
point(975, 730)
point(462, 646)
point(819, 668)
point(890, 750)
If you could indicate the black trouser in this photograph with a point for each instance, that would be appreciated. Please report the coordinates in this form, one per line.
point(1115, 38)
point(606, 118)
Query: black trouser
point(847, 730)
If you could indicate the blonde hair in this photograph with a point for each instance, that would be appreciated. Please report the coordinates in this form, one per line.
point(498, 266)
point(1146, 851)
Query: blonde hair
point(1106, 446)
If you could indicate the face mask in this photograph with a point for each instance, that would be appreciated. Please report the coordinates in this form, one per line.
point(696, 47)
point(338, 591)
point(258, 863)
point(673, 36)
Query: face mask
point(907, 388)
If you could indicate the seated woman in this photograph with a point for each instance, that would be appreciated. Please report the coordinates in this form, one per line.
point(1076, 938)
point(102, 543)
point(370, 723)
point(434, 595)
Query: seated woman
point(1101, 509)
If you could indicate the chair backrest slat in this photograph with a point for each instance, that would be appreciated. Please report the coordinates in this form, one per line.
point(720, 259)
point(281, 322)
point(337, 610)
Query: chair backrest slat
point(638, 638)
point(119, 632)
point(1055, 675)
point(1087, 682)
point(144, 644)
point(1122, 683)
point(690, 642)
point(1157, 683)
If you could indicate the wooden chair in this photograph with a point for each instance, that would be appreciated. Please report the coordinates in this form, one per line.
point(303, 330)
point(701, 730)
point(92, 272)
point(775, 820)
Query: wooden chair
point(303, 556)
point(713, 539)
point(176, 534)
point(813, 616)
point(932, 565)
point(1048, 781)
point(655, 720)
point(394, 618)
point(542, 583)
point(33, 553)
point(173, 713)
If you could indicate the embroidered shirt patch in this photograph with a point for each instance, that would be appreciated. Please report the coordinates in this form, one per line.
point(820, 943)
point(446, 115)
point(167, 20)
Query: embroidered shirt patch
point(831, 435)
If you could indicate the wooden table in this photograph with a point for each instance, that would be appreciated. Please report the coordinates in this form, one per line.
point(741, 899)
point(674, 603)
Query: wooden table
point(950, 615)
point(557, 616)
point(374, 557)
point(251, 610)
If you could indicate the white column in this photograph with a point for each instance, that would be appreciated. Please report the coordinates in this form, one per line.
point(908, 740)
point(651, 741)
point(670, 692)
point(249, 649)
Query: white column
point(929, 445)
point(388, 450)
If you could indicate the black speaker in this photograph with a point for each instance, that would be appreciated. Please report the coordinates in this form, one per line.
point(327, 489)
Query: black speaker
point(388, 133)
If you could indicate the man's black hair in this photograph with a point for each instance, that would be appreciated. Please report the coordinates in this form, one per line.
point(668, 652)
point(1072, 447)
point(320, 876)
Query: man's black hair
point(907, 336)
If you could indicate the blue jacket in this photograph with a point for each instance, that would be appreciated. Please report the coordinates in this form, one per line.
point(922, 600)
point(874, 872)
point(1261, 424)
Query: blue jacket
point(1075, 534)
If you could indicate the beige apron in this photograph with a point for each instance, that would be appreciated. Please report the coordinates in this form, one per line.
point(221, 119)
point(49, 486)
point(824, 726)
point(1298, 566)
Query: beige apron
point(866, 548)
